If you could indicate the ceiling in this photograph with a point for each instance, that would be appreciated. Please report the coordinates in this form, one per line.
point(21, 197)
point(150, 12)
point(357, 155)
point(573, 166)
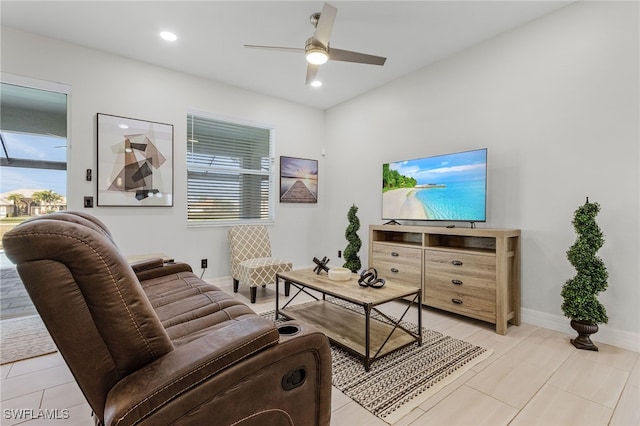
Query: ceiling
point(211, 36)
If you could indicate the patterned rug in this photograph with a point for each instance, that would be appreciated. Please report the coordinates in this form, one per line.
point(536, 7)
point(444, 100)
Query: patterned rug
point(402, 380)
point(23, 338)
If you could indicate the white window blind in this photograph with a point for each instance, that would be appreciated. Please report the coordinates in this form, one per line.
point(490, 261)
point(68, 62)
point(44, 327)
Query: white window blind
point(229, 171)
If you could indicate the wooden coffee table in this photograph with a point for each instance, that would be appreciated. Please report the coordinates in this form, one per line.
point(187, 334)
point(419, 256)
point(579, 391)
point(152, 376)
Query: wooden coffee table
point(366, 337)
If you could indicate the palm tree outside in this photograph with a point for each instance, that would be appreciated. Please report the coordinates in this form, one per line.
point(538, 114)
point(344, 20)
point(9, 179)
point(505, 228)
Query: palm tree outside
point(15, 198)
point(47, 199)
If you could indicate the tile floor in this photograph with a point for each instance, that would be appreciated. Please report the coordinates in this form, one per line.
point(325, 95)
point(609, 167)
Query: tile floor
point(533, 377)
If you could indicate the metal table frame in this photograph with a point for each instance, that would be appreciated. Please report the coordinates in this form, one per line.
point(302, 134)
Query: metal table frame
point(368, 309)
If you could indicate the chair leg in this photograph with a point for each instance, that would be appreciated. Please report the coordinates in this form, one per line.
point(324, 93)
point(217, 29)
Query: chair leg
point(287, 288)
point(253, 290)
point(235, 285)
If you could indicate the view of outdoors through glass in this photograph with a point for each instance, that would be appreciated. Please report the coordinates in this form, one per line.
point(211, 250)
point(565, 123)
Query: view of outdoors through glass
point(33, 173)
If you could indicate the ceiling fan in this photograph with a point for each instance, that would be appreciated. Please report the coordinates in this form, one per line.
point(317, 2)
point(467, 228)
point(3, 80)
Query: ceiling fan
point(317, 50)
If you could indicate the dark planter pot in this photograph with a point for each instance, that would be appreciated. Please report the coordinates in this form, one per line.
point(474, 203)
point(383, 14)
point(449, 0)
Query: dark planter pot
point(584, 329)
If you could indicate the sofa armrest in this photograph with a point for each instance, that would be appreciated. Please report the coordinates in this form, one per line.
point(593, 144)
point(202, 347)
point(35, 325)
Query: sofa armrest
point(203, 380)
point(154, 268)
point(146, 264)
point(149, 388)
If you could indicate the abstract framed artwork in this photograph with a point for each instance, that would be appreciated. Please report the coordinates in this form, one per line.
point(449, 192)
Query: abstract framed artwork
point(135, 162)
point(298, 180)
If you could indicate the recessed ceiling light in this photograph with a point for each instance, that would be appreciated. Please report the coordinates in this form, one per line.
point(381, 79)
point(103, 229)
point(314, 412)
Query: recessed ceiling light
point(169, 36)
point(316, 83)
point(123, 126)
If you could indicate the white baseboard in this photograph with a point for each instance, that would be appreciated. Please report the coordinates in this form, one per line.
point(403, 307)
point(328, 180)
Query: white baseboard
point(606, 334)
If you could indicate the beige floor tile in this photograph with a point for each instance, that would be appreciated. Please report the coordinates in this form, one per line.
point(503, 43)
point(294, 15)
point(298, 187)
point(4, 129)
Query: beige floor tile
point(436, 319)
point(31, 382)
point(79, 415)
point(611, 356)
point(446, 391)
point(589, 379)
point(634, 377)
point(410, 418)
point(36, 364)
point(486, 362)
point(547, 349)
point(627, 411)
point(498, 343)
point(353, 414)
point(5, 369)
point(462, 329)
point(17, 410)
point(519, 332)
point(511, 380)
point(63, 396)
point(553, 406)
point(338, 399)
point(467, 406)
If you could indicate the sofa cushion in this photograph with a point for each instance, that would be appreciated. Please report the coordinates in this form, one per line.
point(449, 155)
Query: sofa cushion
point(189, 308)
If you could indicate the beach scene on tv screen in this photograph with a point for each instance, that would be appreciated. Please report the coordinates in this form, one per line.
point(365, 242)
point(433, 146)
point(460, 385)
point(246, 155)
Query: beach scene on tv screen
point(445, 187)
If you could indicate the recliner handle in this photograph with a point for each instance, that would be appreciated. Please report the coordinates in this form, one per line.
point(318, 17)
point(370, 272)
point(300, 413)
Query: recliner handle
point(294, 378)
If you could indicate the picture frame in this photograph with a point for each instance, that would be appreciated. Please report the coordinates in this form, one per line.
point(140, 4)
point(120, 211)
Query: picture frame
point(134, 162)
point(298, 180)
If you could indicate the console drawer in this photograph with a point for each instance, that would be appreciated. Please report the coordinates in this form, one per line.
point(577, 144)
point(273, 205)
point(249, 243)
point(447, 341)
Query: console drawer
point(467, 285)
point(482, 306)
point(480, 267)
point(403, 264)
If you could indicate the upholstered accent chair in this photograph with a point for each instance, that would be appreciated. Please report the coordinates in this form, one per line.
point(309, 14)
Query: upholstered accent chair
point(251, 260)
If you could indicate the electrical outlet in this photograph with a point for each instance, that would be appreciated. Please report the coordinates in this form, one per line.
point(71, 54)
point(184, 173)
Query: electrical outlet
point(88, 202)
point(339, 254)
point(203, 263)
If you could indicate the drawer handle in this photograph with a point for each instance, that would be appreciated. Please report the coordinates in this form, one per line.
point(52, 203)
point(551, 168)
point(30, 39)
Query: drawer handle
point(395, 254)
point(456, 262)
point(457, 301)
point(456, 282)
point(394, 270)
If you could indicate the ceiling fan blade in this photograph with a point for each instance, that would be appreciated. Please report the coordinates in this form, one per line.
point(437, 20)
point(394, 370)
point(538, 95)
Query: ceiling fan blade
point(284, 49)
point(349, 56)
point(312, 71)
point(325, 24)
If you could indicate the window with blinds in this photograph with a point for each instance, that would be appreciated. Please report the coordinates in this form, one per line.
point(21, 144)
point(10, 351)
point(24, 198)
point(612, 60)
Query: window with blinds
point(229, 171)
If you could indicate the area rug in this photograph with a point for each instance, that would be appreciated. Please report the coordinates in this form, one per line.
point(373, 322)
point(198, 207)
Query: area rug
point(402, 380)
point(23, 338)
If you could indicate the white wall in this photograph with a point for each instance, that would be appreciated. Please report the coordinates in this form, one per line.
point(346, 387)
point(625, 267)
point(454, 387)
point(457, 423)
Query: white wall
point(104, 83)
point(556, 103)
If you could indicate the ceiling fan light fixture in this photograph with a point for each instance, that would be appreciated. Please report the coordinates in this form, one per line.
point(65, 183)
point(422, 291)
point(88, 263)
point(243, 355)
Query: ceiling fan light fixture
point(317, 50)
point(316, 56)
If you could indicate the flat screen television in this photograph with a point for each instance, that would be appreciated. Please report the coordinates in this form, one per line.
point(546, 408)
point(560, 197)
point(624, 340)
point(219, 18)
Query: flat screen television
point(449, 187)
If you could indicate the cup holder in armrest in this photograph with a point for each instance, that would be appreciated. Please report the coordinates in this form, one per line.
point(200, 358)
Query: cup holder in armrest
point(288, 330)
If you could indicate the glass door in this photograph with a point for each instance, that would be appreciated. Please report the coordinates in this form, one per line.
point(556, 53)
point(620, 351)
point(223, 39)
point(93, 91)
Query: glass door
point(33, 171)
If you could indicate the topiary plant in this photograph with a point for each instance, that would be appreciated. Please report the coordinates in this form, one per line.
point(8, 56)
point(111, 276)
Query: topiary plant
point(579, 293)
point(352, 260)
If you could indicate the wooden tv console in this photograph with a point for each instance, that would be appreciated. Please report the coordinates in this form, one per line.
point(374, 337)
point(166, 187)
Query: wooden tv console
point(472, 272)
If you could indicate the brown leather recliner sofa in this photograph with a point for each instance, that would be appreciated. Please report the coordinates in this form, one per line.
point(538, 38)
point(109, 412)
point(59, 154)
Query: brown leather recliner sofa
point(152, 344)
